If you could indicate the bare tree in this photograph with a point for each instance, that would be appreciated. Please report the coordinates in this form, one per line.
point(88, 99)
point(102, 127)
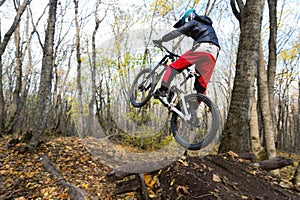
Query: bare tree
point(256, 146)
point(298, 119)
point(15, 107)
point(3, 44)
point(78, 60)
point(236, 134)
point(16, 98)
point(93, 67)
point(263, 97)
point(44, 93)
point(272, 53)
point(266, 80)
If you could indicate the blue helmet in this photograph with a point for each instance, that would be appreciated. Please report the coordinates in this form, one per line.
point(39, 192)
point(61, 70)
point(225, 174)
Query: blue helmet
point(187, 16)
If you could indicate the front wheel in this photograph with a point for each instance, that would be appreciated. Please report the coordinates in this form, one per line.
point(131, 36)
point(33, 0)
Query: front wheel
point(201, 125)
point(142, 88)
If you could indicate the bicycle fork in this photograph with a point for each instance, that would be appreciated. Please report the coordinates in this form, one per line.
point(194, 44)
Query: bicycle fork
point(173, 108)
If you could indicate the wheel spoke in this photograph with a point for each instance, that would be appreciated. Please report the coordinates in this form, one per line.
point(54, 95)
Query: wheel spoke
point(201, 128)
point(142, 88)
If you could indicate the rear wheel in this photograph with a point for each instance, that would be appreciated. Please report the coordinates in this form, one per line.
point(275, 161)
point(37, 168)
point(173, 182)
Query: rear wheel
point(142, 88)
point(202, 127)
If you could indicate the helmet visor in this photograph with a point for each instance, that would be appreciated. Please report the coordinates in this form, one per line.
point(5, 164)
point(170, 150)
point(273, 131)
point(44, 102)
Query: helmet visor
point(182, 19)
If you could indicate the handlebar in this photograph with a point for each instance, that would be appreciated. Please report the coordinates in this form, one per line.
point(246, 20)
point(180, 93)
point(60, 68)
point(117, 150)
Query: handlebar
point(163, 48)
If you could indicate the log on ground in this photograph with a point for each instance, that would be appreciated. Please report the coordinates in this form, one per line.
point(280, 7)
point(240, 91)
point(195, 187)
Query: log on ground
point(74, 192)
point(296, 180)
point(274, 163)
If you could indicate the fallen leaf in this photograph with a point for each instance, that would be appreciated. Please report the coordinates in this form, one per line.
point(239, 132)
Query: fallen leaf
point(130, 194)
point(20, 198)
point(232, 154)
point(149, 181)
point(172, 182)
point(30, 174)
point(216, 178)
point(185, 163)
point(182, 190)
point(68, 148)
point(151, 194)
point(183, 157)
point(84, 185)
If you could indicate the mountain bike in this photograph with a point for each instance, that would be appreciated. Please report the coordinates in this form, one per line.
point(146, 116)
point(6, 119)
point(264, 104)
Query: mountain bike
point(195, 118)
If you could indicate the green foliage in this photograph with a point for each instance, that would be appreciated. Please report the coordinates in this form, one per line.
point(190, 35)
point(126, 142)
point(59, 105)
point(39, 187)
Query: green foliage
point(290, 54)
point(155, 142)
point(164, 7)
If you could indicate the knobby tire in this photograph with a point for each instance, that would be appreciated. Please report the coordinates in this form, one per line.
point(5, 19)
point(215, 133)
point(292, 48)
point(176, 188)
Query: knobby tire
point(209, 136)
point(135, 91)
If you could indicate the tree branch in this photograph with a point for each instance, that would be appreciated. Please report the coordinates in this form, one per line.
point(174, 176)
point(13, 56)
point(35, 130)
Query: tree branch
point(210, 7)
point(237, 12)
point(34, 25)
point(2, 2)
point(12, 28)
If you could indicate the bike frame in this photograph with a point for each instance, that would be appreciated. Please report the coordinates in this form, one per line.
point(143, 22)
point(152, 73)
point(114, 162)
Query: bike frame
point(178, 93)
point(163, 62)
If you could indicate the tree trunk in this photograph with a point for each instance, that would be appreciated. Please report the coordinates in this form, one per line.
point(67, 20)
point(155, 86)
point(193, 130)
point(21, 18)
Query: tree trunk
point(236, 134)
point(44, 93)
point(272, 54)
point(91, 119)
point(25, 80)
point(3, 45)
point(16, 102)
point(254, 129)
point(265, 108)
point(78, 59)
point(2, 103)
point(298, 120)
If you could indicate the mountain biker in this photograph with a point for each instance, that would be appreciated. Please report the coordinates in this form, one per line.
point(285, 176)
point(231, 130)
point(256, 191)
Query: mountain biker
point(203, 54)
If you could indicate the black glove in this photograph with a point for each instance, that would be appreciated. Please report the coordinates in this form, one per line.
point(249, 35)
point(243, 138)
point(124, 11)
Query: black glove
point(157, 42)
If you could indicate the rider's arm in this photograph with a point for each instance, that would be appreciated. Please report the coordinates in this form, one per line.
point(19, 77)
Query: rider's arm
point(185, 29)
point(171, 35)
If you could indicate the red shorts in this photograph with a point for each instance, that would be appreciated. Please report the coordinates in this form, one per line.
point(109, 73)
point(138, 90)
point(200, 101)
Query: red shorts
point(204, 65)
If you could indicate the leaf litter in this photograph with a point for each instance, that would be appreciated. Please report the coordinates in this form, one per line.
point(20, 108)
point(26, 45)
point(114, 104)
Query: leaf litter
point(211, 177)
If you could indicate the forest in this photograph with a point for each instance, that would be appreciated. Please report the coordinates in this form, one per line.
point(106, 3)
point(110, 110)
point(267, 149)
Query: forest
point(66, 69)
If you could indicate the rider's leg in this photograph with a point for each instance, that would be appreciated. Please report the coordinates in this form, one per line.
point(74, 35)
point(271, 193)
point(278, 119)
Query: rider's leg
point(167, 79)
point(204, 68)
point(166, 82)
point(184, 61)
point(208, 54)
point(204, 62)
